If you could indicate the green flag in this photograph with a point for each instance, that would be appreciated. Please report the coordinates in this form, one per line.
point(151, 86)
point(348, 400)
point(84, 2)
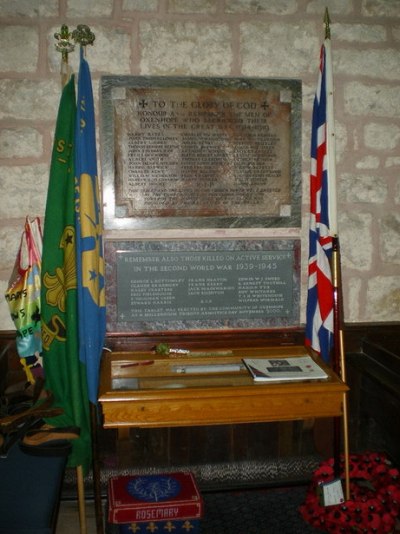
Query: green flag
point(65, 375)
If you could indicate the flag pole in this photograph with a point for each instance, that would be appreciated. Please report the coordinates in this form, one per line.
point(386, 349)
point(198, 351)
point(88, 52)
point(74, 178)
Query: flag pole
point(339, 352)
point(339, 348)
point(65, 47)
point(84, 36)
point(331, 166)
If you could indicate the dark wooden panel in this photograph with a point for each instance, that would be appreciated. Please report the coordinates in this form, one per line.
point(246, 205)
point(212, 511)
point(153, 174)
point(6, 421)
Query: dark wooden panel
point(374, 377)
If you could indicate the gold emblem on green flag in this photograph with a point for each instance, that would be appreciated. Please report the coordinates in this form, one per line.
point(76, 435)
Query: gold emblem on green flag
point(55, 329)
point(65, 277)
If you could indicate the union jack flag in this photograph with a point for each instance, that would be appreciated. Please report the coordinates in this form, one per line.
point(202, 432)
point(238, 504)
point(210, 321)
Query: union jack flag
point(319, 314)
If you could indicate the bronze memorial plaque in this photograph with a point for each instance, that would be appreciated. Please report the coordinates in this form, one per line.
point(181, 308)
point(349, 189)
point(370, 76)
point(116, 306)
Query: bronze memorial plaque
point(201, 152)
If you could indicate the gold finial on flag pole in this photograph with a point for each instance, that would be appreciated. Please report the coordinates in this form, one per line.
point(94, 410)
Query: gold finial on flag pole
point(327, 21)
point(83, 35)
point(65, 46)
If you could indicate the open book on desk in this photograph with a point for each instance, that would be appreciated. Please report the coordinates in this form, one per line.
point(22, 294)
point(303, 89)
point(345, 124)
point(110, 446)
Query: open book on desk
point(284, 369)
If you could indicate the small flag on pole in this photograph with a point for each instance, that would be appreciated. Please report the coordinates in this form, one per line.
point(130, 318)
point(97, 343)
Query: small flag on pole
point(320, 298)
point(90, 261)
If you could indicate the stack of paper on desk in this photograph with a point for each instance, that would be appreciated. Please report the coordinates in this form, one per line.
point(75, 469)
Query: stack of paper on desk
point(287, 369)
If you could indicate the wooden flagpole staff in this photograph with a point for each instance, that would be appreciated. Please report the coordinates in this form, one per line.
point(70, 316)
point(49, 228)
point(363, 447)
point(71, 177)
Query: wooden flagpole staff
point(340, 353)
point(83, 36)
point(65, 46)
point(338, 346)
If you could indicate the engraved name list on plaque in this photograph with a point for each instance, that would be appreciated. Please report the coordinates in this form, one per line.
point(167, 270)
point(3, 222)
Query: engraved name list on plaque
point(201, 152)
point(202, 285)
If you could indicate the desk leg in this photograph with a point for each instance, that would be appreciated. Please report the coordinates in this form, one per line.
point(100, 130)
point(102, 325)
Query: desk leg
point(96, 470)
point(285, 438)
point(123, 433)
point(346, 447)
point(123, 446)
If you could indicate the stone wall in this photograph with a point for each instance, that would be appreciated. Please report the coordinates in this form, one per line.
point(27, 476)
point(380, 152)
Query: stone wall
point(255, 38)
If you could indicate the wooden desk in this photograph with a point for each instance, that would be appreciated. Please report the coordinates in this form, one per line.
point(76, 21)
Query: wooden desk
point(136, 393)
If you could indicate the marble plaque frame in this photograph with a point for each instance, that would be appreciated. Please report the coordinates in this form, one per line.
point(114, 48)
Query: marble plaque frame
point(156, 250)
point(281, 92)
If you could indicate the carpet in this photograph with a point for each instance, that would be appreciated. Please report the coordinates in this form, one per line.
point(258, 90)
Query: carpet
point(273, 511)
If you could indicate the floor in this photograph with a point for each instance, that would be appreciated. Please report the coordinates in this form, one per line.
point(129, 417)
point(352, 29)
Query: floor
point(263, 511)
point(68, 518)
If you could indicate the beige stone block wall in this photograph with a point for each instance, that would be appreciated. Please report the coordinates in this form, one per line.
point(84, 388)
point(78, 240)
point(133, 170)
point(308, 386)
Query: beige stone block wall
point(262, 38)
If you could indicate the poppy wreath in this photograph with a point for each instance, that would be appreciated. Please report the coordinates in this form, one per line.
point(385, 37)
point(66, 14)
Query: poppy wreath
point(375, 497)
